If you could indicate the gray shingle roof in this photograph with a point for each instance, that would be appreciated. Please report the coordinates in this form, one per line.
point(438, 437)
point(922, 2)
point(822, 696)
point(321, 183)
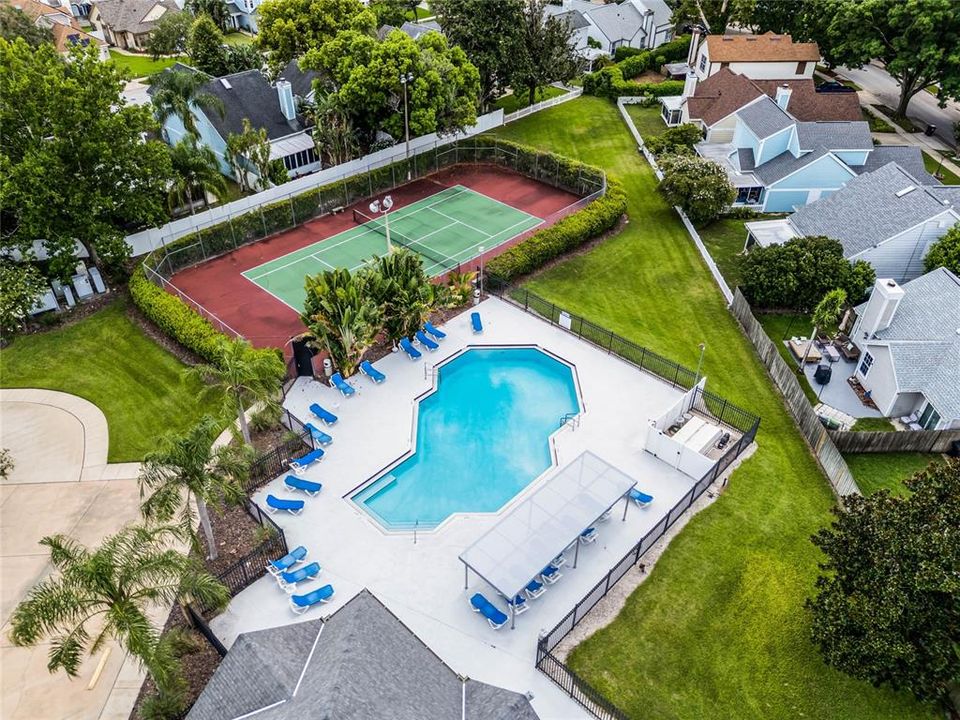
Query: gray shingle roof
point(575, 19)
point(127, 15)
point(764, 118)
point(947, 193)
point(365, 665)
point(924, 340)
point(843, 135)
point(784, 164)
point(867, 211)
point(618, 22)
point(908, 157)
point(662, 14)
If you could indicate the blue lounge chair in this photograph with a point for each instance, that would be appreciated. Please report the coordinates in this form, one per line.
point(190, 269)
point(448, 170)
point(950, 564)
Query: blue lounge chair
point(288, 580)
point(438, 334)
point(588, 535)
point(309, 487)
point(550, 574)
point(367, 368)
point(294, 507)
point(409, 349)
point(301, 603)
point(534, 589)
point(425, 341)
point(327, 417)
point(345, 388)
point(640, 498)
point(298, 465)
point(319, 435)
point(476, 323)
point(519, 605)
point(494, 615)
point(287, 561)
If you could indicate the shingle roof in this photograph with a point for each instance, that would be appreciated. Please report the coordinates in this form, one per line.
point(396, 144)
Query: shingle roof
point(786, 163)
point(867, 211)
point(719, 95)
point(760, 48)
point(806, 104)
point(947, 193)
point(924, 340)
point(834, 135)
point(618, 22)
point(361, 663)
point(662, 14)
point(574, 18)
point(765, 118)
point(128, 15)
point(908, 157)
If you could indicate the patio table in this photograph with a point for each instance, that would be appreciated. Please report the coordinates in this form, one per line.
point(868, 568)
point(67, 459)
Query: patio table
point(833, 355)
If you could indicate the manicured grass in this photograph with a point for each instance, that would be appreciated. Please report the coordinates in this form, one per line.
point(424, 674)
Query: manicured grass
point(238, 38)
point(718, 629)
point(887, 471)
point(947, 176)
point(647, 119)
point(781, 327)
point(142, 65)
point(107, 359)
point(725, 239)
point(873, 425)
point(512, 103)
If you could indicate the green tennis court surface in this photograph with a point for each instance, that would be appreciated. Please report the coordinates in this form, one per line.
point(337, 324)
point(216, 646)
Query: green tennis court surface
point(445, 229)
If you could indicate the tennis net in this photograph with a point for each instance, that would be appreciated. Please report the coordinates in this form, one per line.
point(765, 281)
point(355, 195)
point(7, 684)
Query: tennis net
point(379, 225)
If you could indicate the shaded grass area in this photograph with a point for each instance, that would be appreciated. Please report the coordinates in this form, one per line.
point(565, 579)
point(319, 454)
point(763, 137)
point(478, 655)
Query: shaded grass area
point(873, 424)
point(725, 239)
point(142, 65)
point(887, 471)
point(647, 119)
point(783, 326)
point(877, 123)
point(947, 176)
point(718, 629)
point(107, 359)
point(238, 38)
point(513, 102)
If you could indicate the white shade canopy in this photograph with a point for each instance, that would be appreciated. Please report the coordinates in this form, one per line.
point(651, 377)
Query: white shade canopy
point(524, 542)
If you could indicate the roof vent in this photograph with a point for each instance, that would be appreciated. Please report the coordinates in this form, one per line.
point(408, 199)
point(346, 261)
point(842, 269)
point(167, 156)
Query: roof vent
point(906, 191)
point(226, 83)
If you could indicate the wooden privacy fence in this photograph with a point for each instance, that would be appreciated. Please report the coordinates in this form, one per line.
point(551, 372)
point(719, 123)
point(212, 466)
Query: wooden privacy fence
point(880, 442)
point(806, 419)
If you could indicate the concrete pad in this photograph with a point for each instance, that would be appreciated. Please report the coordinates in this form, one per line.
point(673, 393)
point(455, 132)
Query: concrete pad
point(45, 442)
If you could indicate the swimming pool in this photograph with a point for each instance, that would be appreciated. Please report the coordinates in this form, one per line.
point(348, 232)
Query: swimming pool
point(482, 437)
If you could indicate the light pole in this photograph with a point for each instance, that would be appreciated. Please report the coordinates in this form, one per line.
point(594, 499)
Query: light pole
point(481, 271)
point(404, 79)
point(383, 207)
point(703, 347)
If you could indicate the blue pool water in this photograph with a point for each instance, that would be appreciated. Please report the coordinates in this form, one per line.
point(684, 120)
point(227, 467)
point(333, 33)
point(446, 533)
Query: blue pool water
point(481, 437)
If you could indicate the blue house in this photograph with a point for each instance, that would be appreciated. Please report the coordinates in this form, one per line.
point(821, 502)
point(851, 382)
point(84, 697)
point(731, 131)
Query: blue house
point(777, 163)
point(243, 14)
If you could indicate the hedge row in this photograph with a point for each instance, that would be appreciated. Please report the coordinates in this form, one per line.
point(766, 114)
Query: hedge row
point(567, 234)
point(178, 320)
point(616, 81)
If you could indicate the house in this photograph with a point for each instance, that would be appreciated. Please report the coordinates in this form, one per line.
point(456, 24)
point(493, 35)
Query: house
point(62, 24)
point(414, 30)
point(128, 23)
point(641, 24)
point(909, 340)
point(758, 57)
point(271, 106)
point(712, 104)
point(360, 663)
point(887, 217)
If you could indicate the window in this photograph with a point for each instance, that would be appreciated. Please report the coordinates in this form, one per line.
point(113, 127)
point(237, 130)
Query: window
point(866, 364)
point(703, 62)
point(299, 159)
point(748, 196)
point(929, 418)
point(801, 68)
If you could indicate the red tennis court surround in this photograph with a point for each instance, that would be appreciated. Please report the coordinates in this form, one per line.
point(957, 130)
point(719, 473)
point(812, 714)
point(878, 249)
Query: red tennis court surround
point(219, 287)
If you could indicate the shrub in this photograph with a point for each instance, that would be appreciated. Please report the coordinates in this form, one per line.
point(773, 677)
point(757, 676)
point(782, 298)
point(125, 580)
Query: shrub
point(616, 80)
point(567, 234)
point(945, 252)
point(700, 187)
point(675, 139)
point(623, 52)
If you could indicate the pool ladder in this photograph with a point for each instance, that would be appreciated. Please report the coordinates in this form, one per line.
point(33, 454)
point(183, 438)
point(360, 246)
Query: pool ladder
point(571, 419)
point(430, 372)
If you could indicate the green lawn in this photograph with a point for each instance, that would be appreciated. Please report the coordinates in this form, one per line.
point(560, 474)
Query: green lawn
point(512, 103)
point(725, 239)
point(948, 177)
point(647, 119)
point(141, 65)
point(887, 471)
point(718, 629)
point(238, 38)
point(107, 359)
point(780, 327)
point(873, 424)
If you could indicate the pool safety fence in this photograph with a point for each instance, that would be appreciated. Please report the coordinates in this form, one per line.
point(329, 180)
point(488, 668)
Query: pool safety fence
point(271, 463)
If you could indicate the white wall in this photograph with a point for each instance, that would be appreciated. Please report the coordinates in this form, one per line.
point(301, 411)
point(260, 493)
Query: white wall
point(880, 380)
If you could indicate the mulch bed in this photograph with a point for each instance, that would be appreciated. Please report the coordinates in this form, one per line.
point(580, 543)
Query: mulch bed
point(649, 76)
point(65, 318)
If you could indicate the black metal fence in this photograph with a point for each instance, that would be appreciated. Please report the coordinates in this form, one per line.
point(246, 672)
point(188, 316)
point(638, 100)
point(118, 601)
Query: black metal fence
point(200, 625)
point(273, 462)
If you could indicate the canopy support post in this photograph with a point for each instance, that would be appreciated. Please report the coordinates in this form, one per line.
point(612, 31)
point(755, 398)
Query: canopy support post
point(576, 552)
point(513, 615)
point(626, 504)
point(466, 575)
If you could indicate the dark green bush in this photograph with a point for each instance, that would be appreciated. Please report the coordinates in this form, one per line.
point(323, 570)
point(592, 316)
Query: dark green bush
point(617, 80)
point(675, 139)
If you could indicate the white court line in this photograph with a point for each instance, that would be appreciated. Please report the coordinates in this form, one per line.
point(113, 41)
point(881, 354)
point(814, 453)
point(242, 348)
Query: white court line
point(275, 297)
point(467, 225)
point(366, 231)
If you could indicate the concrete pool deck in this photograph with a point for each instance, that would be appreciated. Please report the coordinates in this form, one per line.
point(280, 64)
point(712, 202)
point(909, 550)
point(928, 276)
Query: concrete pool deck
point(422, 581)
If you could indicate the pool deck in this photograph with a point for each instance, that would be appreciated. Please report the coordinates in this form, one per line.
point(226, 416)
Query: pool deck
point(422, 582)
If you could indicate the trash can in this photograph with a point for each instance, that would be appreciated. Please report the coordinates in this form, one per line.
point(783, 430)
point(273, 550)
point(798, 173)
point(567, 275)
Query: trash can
point(930, 130)
point(476, 296)
point(327, 367)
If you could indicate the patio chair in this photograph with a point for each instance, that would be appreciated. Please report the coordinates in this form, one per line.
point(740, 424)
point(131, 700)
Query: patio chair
point(287, 561)
point(298, 465)
point(345, 388)
point(534, 589)
point(288, 580)
point(476, 323)
point(550, 574)
point(425, 341)
point(319, 435)
point(409, 349)
point(494, 615)
point(367, 368)
point(294, 507)
point(588, 536)
point(327, 417)
point(519, 604)
point(640, 498)
point(307, 486)
point(438, 334)
point(301, 603)
point(909, 419)
point(559, 561)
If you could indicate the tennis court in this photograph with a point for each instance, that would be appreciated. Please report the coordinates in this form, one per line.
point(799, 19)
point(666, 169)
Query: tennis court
point(446, 229)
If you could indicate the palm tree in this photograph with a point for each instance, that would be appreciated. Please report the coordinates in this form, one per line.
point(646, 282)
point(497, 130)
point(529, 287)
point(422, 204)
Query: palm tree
point(195, 169)
point(244, 377)
point(176, 90)
point(111, 589)
point(334, 135)
point(405, 293)
point(185, 471)
point(827, 313)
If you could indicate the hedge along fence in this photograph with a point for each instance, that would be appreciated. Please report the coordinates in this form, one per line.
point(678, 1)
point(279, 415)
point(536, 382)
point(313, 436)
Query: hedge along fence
point(615, 81)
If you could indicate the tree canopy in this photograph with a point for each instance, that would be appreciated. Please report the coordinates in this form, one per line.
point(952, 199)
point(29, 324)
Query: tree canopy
point(700, 187)
point(887, 606)
point(14, 23)
point(945, 252)
point(543, 53)
point(170, 35)
point(289, 28)
point(21, 285)
point(205, 47)
point(717, 14)
point(71, 143)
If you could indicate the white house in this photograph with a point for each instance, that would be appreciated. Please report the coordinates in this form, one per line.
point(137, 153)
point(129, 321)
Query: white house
point(758, 57)
point(641, 24)
point(909, 340)
point(888, 216)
